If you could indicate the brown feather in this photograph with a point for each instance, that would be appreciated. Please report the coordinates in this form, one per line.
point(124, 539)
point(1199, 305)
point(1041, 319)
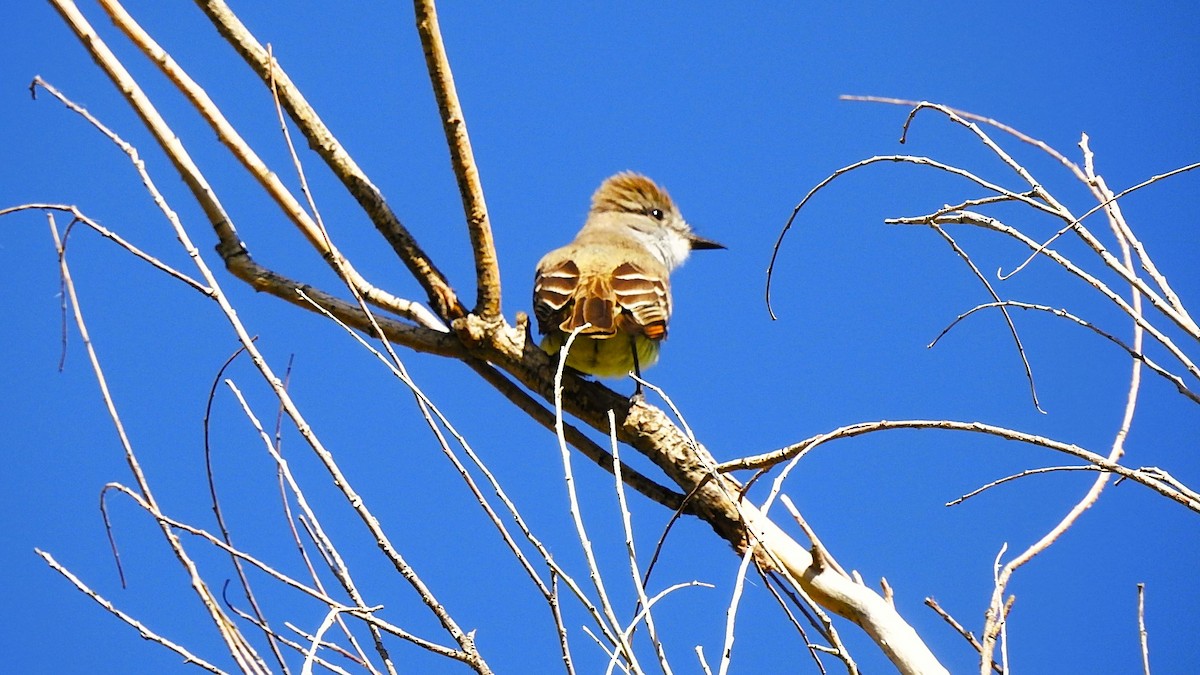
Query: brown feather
point(626, 300)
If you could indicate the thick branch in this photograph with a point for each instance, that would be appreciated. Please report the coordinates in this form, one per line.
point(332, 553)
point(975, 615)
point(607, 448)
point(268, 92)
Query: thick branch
point(544, 416)
point(487, 268)
point(417, 338)
point(711, 496)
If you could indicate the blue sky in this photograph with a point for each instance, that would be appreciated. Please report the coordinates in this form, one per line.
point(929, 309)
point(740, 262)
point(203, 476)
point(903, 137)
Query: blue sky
point(735, 111)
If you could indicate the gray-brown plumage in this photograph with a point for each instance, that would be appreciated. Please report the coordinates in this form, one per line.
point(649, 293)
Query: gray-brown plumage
point(615, 278)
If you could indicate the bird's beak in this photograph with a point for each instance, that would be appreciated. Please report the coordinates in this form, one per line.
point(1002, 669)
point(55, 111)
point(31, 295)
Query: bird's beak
point(700, 243)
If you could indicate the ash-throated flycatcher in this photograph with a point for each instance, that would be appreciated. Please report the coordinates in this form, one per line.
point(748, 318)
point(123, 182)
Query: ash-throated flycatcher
point(614, 276)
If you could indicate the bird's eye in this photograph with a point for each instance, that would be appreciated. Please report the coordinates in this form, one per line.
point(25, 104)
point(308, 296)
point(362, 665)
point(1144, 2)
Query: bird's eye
point(657, 214)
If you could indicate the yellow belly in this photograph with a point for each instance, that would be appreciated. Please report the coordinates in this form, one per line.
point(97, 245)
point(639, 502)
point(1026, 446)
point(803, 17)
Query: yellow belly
point(604, 356)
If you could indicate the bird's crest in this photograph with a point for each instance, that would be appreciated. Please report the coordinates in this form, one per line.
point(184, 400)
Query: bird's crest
point(631, 193)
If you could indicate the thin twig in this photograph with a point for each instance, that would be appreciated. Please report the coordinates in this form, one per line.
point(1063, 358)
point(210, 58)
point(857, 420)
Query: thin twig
point(1105, 203)
point(817, 567)
point(644, 612)
point(732, 609)
point(143, 631)
point(239, 647)
point(612, 654)
point(821, 554)
point(301, 549)
point(1174, 379)
point(703, 661)
point(622, 648)
point(902, 159)
point(1012, 328)
point(631, 550)
point(1143, 636)
point(1022, 474)
point(556, 609)
point(1036, 188)
point(813, 650)
point(1185, 497)
point(323, 662)
point(78, 216)
point(980, 220)
point(543, 415)
point(112, 539)
point(1041, 145)
point(337, 564)
point(1172, 307)
point(291, 644)
point(1110, 203)
point(331, 617)
point(218, 512)
point(364, 614)
point(958, 627)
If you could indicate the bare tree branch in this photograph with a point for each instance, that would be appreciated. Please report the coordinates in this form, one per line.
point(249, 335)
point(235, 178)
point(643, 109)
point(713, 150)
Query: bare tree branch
point(441, 295)
point(237, 258)
point(237, 644)
point(257, 168)
point(487, 268)
point(997, 614)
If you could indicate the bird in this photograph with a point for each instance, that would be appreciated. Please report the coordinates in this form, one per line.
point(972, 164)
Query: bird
point(613, 280)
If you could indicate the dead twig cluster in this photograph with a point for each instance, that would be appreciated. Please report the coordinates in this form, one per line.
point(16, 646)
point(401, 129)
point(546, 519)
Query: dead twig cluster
point(1132, 266)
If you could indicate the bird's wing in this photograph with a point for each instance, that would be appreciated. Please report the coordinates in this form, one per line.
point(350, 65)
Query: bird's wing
point(554, 286)
point(645, 297)
point(628, 299)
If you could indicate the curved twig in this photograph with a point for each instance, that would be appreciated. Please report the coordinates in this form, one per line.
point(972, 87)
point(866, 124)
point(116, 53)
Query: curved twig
point(900, 159)
point(260, 619)
point(1145, 477)
point(980, 220)
point(1012, 328)
point(1015, 133)
point(1174, 379)
point(996, 617)
point(1028, 472)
